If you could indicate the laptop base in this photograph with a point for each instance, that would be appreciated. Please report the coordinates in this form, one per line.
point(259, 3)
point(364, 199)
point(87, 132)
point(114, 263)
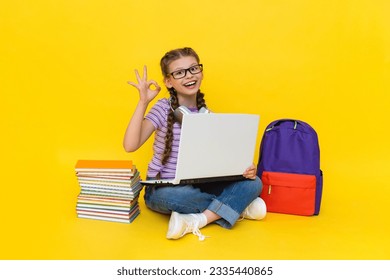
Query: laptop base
point(162, 182)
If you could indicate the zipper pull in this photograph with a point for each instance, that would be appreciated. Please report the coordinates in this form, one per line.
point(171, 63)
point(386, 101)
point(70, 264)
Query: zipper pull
point(269, 189)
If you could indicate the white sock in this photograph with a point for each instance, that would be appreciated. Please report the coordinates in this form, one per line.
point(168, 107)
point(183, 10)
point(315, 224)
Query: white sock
point(202, 219)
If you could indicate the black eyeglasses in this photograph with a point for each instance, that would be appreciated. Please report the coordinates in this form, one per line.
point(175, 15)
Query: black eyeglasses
point(179, 74)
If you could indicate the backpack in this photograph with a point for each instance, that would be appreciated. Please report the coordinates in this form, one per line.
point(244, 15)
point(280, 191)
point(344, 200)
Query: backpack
point(289, 167)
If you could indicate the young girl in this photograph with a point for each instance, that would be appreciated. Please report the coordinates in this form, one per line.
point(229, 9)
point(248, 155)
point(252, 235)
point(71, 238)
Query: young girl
point(191, 206)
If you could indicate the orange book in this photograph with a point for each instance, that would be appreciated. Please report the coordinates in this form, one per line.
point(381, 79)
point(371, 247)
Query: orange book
point(105, 165)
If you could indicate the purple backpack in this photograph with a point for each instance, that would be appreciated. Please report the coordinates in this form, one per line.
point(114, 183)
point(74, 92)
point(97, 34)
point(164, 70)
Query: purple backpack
point(289, 166)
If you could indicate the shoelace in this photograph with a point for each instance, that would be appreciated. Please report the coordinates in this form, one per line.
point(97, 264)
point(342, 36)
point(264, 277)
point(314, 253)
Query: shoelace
point(243, 214)
point(194, 228)
point(197, 232)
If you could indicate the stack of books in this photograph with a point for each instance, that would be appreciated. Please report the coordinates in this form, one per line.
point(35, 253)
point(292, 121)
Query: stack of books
point(109, 190)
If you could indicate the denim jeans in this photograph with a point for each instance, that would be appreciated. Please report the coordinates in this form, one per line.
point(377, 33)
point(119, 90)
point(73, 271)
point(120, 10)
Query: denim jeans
point(226, 199)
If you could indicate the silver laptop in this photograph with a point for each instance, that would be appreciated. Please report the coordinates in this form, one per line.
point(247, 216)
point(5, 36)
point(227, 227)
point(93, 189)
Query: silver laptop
point(214, 147)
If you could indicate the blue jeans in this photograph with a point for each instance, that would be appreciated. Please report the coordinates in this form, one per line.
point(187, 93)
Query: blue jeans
point(226, 199)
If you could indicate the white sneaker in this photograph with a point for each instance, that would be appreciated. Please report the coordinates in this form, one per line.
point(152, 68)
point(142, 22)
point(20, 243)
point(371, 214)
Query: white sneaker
point(257, 210)
point(181, 224)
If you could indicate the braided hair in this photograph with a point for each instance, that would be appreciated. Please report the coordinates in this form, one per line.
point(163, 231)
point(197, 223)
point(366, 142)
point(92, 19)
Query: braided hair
point(164, 63)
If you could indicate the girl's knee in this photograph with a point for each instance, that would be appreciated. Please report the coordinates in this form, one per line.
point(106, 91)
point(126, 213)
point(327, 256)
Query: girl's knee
point(257, 186)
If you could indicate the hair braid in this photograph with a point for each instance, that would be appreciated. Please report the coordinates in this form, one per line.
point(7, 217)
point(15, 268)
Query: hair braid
point(200, 101)
point(170, 122)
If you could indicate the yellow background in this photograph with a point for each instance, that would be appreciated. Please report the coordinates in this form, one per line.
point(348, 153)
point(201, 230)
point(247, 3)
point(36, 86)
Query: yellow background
point(64, 66)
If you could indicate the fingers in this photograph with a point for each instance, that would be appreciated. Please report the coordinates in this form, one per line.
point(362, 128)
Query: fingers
point(131, 83)
point(145, 76)
point(250, 175)
point(155, 84)
point(143, 83)
point(138, 77)
point(251, 168)
point(250, 172)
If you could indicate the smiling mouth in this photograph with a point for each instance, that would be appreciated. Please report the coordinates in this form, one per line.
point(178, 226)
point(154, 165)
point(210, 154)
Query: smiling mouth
point(190, 84)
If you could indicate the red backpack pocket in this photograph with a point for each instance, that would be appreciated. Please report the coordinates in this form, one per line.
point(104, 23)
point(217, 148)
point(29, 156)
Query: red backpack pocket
point(289, 193)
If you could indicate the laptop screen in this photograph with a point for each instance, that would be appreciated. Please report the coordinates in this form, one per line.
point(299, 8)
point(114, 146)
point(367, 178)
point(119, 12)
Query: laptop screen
point(214, 145)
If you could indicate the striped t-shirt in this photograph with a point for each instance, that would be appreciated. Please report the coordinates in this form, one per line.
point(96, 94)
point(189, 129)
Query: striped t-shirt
point(158, 115)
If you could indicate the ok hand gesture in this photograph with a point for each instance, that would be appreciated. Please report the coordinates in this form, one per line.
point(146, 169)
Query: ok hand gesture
point(148, 90)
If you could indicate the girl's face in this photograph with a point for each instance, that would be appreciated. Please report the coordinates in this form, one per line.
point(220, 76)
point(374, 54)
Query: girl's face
point(181, 78)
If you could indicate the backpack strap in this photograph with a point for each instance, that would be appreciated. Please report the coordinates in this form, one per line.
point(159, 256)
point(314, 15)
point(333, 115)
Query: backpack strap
point(278, 122)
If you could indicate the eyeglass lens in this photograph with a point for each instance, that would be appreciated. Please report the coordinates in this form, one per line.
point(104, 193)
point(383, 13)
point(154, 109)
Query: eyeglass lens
point(195, 69)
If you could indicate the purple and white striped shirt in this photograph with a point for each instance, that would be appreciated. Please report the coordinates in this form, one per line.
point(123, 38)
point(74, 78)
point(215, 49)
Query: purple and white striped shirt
point(158, 115)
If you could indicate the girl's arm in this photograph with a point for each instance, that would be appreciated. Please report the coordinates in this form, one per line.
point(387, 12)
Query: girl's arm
point(140, 129)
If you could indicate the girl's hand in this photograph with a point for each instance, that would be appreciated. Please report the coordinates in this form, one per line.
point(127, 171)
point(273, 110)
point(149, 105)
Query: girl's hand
point(148, 90)
point(250, 172)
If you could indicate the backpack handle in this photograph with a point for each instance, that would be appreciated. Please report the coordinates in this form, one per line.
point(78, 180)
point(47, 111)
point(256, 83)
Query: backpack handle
point(277, 123)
